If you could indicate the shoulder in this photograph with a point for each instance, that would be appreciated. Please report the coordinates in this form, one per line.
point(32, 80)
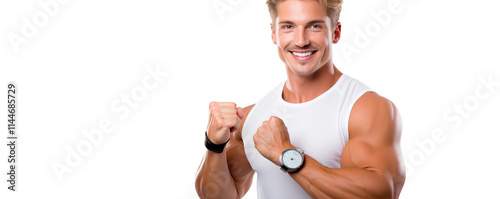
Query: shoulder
point(374, 116)
point(247, 110)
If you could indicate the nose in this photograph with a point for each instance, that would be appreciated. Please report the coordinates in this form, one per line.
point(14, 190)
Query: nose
point(301, 38)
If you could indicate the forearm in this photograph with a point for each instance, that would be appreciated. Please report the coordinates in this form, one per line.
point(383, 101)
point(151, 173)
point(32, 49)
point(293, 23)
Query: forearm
point(322, 182)
point(214, 179)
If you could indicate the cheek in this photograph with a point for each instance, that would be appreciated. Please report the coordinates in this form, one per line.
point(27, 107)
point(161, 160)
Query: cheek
point(281, 49)
point(281, 55)
point(283, 41)
point(280, 44)
point(325, 40)
point(325, 44)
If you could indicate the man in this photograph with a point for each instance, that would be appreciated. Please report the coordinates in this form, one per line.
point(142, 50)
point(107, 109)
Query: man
point(319, 134)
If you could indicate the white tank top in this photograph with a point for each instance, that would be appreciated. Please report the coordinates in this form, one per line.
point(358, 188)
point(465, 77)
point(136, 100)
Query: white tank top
point(318, 126)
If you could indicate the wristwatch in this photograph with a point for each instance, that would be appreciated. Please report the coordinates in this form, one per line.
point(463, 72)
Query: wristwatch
point(291, 160)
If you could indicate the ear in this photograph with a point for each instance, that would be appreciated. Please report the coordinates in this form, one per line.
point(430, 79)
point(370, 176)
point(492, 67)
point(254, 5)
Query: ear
point(336, 33)
point(273, 34)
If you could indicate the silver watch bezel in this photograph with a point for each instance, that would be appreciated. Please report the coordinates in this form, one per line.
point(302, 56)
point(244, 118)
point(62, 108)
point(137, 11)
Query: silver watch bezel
point(287, 169)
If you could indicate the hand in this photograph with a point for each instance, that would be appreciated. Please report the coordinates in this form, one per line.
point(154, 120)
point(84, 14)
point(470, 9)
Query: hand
point(272, 139)
point(224, 119)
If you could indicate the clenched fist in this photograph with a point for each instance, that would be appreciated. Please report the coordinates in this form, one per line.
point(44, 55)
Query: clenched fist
point(225, 118)
point(272, 139)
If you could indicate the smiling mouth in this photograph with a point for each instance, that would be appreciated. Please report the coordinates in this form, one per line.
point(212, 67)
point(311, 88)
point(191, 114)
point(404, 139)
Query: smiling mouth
point(304, 55)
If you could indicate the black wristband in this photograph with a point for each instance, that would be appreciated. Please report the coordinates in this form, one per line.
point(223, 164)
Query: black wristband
point(217, 148)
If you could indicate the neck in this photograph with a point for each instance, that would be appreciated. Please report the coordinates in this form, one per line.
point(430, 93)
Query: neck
point(300, 89)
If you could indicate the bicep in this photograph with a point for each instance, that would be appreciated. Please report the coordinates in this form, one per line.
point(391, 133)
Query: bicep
point(376, 165)
point(375, 130)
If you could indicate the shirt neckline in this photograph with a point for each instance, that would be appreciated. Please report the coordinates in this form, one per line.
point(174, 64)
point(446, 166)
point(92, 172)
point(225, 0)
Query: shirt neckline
point(331, 89)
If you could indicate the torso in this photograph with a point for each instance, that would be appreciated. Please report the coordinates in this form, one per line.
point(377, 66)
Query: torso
point(319, 126)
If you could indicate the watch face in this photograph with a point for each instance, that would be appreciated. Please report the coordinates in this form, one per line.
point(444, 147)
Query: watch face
point(292, 159)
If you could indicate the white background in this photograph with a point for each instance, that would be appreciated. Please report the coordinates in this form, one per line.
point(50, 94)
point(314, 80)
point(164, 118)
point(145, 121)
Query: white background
point(427, 58)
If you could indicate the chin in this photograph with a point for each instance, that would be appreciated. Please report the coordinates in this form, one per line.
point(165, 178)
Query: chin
point(302, 70)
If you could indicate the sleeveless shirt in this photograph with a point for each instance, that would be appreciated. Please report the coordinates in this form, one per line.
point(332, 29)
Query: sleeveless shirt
point(318, 126)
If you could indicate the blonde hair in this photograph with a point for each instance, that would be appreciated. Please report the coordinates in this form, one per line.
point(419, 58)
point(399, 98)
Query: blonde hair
point(333, 8)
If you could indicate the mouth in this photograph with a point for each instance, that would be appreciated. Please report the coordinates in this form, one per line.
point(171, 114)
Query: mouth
point(303, 55)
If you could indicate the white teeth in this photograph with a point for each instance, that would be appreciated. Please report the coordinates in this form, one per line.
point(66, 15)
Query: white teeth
point(302, 54)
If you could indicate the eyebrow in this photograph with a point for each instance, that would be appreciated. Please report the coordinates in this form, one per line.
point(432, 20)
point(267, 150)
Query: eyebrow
point(311, 22)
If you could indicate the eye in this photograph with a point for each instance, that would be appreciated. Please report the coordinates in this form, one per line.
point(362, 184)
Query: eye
point(315, 27)
point(287, 27)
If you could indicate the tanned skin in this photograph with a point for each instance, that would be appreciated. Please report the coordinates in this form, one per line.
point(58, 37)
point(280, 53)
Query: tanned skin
point(371, 161)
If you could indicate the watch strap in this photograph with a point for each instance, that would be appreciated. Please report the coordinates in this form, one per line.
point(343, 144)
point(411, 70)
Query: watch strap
point(217, 148)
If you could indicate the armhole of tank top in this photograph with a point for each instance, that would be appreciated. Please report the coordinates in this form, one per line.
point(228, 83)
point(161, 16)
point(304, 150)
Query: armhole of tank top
point(347, 112)
point(249, 116)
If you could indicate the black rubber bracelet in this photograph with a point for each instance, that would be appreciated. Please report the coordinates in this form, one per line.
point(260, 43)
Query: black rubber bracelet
point(217, 148)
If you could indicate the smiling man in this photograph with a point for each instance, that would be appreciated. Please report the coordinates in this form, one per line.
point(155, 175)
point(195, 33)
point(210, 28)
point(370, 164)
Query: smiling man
point(319, 134)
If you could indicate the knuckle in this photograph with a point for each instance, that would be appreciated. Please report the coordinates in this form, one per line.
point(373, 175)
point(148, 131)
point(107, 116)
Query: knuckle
point(258, 131)
point(265, 123)
point(276, 120)
point(212, 104)
point(212, 108)
point(279, 119)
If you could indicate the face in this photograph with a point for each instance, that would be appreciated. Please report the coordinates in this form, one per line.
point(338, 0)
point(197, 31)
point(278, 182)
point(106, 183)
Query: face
point(304, 35)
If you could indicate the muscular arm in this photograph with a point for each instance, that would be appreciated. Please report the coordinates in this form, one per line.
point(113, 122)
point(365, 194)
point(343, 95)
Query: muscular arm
point(227, 174)
point(371, 163)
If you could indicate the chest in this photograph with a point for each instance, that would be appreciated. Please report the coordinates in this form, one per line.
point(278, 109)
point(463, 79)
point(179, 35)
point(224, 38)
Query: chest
point(314, 129)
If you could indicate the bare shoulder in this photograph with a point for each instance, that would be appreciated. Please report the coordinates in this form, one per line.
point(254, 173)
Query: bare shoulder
point(375, 116)
point(247, 110)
